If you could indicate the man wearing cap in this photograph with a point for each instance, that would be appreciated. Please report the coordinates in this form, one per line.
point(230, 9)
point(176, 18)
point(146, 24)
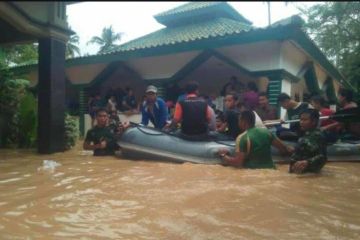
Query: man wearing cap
point(154, 109)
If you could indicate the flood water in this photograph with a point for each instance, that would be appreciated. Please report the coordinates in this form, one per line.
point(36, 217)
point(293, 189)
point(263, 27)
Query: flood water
point(90, 197)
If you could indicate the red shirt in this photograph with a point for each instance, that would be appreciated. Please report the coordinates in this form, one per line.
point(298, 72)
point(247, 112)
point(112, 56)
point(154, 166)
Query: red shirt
point(326, 112)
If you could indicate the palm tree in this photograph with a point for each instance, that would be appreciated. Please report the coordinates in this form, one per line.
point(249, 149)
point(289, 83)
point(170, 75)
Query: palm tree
point(107, 40)
point(71, 46)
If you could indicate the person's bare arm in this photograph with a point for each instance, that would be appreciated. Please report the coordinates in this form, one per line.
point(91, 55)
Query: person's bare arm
point(237, 160)
point(88, 146)
point(222, 127)
point(331, 126)
point(283, 148)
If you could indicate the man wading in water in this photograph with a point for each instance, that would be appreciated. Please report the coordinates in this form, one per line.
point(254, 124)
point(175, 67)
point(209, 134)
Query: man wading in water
point(310, 152)
point(253, 146)
point(101, 139)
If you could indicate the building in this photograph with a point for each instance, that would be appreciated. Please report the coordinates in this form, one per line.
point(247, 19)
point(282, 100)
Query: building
point(45, 23)
point(208, 42)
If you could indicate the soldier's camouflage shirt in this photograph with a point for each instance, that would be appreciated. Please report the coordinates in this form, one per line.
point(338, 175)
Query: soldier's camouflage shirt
point(311, 147)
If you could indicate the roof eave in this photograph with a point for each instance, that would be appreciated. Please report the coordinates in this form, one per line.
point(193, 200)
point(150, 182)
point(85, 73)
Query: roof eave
point(312, 49)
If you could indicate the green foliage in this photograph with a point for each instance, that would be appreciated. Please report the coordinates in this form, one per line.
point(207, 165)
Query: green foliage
point(71, 131)
point(335, 27)
point(107, 40)
point(20, 54)
point(11, 93)
point(71, 47)
point(27, 126)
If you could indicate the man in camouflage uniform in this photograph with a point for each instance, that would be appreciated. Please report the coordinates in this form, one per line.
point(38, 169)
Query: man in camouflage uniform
point(102, 138)
point(310, 152)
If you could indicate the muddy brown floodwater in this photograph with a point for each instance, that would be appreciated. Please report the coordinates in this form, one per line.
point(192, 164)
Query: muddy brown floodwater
point(90, 197)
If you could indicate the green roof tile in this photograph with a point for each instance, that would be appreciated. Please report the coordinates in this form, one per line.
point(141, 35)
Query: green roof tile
point(188, 7)
point(197, 12)
point(187, 33)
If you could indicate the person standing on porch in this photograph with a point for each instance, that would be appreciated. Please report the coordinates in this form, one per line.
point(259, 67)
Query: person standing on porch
point(129, 101)
point(251, 96)
point(154, 109)
point(264, 109)
point(95, 103)
point(234, 85)
point(348, 131)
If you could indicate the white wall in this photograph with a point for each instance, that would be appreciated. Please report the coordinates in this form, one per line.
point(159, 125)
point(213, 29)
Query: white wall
point(123, 78)
point(213, 74)
point(298, 88)
point(285, 88)
point(161, 66)
point(82, 74)
point(257, 56)
point(292, 58)
point(321, 75)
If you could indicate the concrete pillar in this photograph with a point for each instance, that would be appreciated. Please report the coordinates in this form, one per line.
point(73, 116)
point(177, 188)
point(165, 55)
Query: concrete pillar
point(51, 96)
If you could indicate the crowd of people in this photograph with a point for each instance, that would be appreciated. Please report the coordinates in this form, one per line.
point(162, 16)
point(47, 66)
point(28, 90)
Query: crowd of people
point(116, 100)
point(245, 119)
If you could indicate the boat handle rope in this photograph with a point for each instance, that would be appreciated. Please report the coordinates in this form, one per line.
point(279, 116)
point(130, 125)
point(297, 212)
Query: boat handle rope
point(147, 133)
point(139, 127)
point(222, 143)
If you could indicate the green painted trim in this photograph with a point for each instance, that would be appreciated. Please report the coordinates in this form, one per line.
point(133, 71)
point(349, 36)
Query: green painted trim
point(276, 73)
point(273, 90)
point(330, 90)
point(104, 74)
point(195, 63)
point(309, 46)
point(311, 80)
point(230, 62)
point(184, 71)
point(80, 86)
point(191, 66)
point(278, 33)
point(132, 71)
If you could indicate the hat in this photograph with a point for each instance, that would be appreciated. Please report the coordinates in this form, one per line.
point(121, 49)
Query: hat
point(151, 88)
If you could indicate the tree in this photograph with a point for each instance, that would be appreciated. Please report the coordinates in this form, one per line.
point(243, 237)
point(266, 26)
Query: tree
point(335, 27)
point(20, 54)
point(71, 46)
point(107, 40)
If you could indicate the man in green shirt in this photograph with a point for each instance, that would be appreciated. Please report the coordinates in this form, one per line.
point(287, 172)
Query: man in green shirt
point(310, 153)
point(101, 138)
point(253, 146)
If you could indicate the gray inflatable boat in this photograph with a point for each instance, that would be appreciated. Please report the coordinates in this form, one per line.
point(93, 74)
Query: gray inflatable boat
point(144, 143)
